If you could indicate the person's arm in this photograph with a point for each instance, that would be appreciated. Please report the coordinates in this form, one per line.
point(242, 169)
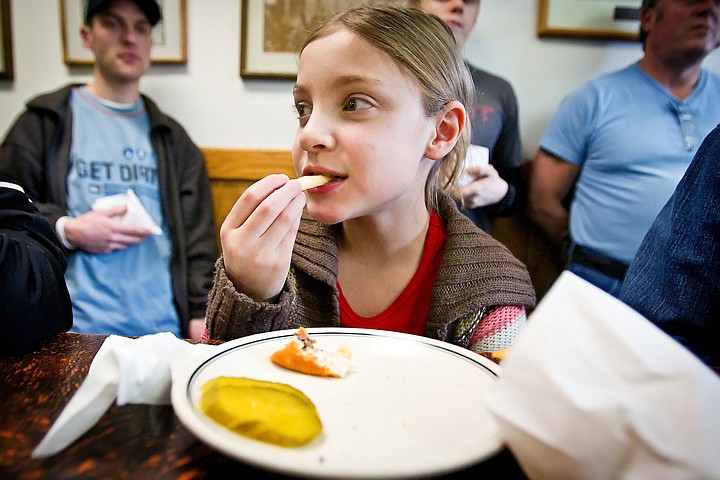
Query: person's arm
point(251, 289)
point(24, 158)
point(232, 314)
point(550, 182)
point(498, 329)
point(34, 300)
point(199, 228)
point(672, 281)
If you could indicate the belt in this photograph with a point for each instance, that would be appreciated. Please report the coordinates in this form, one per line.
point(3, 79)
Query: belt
point(606, 265)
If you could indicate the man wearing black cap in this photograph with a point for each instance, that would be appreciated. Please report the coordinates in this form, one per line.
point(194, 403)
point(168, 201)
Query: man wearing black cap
point(105, 140)
point(149, 7)
point(622, 142)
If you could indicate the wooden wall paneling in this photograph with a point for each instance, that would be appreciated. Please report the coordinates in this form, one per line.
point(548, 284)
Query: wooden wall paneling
point(232, 171)
point(530, 246)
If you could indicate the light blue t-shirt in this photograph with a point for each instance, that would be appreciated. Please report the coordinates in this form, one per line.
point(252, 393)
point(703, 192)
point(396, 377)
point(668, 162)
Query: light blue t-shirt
point(127, 292)
point(633, 140)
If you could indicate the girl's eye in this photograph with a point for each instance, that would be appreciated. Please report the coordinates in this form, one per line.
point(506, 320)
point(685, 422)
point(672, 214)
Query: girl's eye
point(354, 104)
point(303, 110)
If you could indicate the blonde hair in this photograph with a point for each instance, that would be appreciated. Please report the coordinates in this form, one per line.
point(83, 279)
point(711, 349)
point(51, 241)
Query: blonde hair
point(423, 47)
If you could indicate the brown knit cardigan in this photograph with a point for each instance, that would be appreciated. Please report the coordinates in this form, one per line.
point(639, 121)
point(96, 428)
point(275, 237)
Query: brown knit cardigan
point(476, 272)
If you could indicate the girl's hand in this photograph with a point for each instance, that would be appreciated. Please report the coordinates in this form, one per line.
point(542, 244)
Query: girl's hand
point(258, 235)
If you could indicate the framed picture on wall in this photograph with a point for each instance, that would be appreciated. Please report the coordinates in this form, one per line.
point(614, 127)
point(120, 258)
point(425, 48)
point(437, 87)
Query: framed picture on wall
point(6, 57)
point(169, 35)
point(273, 31)
point(591, 19)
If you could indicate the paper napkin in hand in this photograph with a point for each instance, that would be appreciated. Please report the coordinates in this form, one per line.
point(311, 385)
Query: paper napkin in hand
point(593, 390)
point(476, 155)
point(124, 369)
point(136, 213)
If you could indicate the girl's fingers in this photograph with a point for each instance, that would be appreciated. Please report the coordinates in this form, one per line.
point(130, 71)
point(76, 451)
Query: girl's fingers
point(271, 212)
point(251, 198)
point(288, 242)
point(285, 225)
point(263, 231)
point(258, 265)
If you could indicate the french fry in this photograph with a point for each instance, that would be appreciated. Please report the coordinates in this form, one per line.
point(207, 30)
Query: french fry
point(312, 181)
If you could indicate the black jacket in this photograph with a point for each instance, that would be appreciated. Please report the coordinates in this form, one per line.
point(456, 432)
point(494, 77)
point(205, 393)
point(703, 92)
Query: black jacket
point(34, 301)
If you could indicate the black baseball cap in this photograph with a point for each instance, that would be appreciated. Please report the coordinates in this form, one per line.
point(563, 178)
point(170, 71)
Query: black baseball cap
point(149, 7)
point(648, 4)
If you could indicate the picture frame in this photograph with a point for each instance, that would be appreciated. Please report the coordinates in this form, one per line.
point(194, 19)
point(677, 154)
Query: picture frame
point(271, 33)
point(590, 19)
point(6, 54)
point(169, 35)
point(258, 27)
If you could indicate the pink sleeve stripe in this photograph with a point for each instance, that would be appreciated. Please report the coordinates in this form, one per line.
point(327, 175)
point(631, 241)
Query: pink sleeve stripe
point(499, 318)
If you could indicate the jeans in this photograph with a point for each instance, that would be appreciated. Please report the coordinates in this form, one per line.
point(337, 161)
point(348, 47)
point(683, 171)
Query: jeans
point(604, 282)
point(674, 279)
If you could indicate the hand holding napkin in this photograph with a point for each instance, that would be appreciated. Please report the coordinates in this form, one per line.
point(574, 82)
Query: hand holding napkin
point(593, 390)
point(136, 213)
point(129, 370)
point(476, 155)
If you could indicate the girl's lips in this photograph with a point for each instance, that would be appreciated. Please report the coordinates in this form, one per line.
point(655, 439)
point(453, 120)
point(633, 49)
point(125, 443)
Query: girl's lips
point(333, 184)
point(319, 170)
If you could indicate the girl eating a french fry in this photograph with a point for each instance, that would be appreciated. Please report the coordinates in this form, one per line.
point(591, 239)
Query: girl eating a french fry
point(376, 240)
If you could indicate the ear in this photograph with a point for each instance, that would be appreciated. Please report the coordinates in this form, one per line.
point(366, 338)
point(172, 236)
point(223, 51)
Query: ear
point(85, 36)
point(647, 18)
point(449, 125)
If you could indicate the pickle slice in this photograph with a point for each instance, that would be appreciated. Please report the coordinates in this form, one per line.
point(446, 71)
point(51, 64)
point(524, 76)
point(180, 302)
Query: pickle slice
point(267, 411)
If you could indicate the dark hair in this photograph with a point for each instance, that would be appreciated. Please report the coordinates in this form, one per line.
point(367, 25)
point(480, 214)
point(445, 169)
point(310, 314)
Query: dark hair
point(645, 5)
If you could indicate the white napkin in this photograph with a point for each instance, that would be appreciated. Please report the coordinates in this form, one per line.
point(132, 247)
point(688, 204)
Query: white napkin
point(136, 213)
point(129, 370)
point(476, 155)
point(593, 390)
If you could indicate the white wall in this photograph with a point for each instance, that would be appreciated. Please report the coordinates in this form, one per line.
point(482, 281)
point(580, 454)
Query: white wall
point(221, 110)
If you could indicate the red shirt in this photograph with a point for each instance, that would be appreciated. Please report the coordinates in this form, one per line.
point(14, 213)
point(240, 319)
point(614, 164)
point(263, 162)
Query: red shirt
point(407, 314)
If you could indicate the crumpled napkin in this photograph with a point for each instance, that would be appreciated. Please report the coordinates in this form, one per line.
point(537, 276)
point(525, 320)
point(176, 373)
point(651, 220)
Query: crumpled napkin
point(476, 155)
point(593, 390)
point(130, 370)
point(136, 213)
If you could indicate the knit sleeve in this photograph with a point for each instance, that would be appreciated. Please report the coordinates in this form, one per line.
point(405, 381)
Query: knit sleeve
point(232, 314)
point(498, 329)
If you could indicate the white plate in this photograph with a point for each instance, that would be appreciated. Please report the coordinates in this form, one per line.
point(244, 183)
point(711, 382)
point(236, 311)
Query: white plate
point(410, 406)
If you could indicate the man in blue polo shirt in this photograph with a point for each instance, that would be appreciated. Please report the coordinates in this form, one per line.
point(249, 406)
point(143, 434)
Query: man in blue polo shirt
point(624, 140)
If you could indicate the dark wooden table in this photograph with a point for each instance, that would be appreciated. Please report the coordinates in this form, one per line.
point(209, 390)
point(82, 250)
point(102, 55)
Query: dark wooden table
point(132, 441)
